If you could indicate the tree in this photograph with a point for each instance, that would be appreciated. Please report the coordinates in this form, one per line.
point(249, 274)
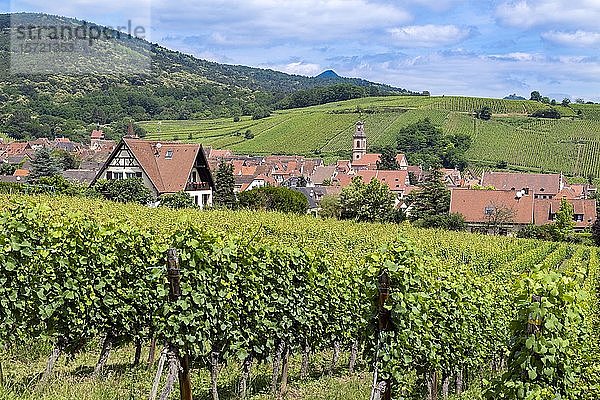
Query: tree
point(367, 202)
point(7, 168)
point(270, 198)
point(426, 145)
point(484, 113)
point(66, 159)
point(564, 223)
point(330, 207)
point(546, 113)
point(535, 96)
point(43, 164)
point(596, 232)
point(545, 100)
point(498, 216)
point(566, 102)
point(431, 200)
point(58, 184)
point(387, 160)
point(177, 200)
point(124, 190)
point(224, 186)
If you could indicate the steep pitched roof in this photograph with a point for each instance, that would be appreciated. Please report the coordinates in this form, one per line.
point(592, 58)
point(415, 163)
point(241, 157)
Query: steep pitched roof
point(472, 204)
point(538, 183)
point(168, 175)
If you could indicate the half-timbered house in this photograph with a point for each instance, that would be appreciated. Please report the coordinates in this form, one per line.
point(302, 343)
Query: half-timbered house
point(163, 168)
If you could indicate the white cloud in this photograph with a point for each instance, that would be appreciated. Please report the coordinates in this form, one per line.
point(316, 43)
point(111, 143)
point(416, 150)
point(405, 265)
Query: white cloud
point(528, 14)
point(516, 56)
point(306, 20)
point(578, 38)
point(298, 68)
point(429, 35)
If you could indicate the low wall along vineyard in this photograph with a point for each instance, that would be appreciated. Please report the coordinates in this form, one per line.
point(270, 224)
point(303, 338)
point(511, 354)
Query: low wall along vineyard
point(520, 316)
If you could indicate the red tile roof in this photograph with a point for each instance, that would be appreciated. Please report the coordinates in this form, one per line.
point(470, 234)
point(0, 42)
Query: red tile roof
point(97, 134)
point(473, 203)
point(544, 208)
point(16, 148)
point(168, 175)
point(395, 180)
point(367, 160)
point(538, 183)
point(21, 172)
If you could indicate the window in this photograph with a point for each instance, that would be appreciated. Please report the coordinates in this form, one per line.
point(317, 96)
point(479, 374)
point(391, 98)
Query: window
point(169, 154)
point(357, 143)
point(138, 174)
point(489, 211)
point(578, 217)
point(205, 198)
point(109, 175)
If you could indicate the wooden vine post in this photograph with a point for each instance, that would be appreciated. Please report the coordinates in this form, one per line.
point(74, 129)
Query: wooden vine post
point(174, 276)
point(382, 390)
point(535, 323)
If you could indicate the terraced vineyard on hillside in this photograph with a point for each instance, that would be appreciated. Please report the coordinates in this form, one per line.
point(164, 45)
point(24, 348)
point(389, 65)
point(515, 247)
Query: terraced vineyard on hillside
point(568, 145)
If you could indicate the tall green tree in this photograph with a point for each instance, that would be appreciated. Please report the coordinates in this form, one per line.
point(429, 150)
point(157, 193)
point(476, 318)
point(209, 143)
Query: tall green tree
point(44, 164)
point(224, 186)
point(387, 160)
point(431, 201)
point(535, 96)
point(425, 144)
point(368, 202)
point(564, 224)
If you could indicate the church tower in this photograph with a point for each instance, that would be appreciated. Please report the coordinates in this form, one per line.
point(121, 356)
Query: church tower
point(359, 142)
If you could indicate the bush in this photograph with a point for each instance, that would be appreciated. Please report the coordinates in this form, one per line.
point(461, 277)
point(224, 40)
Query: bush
point(124, 190)
point(484, 113)
point(177, 200)
point(271, 198)
point(547, 113)
point(451, 222)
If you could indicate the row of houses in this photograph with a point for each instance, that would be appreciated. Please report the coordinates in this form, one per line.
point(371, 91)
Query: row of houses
point(508, 202)
point(517, 200)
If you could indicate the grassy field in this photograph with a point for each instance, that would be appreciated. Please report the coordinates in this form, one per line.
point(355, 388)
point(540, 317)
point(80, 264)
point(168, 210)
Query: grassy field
point(568, 145)
point(73, 378)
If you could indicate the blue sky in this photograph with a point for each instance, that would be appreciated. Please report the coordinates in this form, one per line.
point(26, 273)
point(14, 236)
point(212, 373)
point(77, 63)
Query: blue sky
point(483, 48)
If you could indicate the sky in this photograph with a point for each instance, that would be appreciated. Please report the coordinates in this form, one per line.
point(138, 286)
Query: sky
point(488, 48)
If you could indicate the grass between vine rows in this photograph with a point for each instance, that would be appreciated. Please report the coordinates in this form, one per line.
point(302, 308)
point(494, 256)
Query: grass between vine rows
point(73, 378)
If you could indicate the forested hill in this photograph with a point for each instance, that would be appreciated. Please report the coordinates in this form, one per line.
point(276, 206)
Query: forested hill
point(178, 86)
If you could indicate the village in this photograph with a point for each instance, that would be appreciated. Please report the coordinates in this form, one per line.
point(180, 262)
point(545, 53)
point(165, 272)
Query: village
point(494, 202)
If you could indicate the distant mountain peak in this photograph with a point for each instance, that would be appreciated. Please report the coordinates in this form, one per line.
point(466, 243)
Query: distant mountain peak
point(329, 74)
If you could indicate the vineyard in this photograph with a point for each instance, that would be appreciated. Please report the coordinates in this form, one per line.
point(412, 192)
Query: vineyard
point(482, 317)
point(568, 145)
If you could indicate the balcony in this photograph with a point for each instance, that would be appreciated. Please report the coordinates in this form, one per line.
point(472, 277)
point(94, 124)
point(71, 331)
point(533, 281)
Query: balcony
point(195, 186)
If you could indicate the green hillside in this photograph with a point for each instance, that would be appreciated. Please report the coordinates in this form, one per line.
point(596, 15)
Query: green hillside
point(69, 93)
point(570, 145)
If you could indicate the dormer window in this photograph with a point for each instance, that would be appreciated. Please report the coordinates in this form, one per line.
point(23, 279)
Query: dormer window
point(169, 155)
point(489, 211)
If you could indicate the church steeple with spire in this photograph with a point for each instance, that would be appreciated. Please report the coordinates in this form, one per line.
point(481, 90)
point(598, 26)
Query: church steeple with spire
point(359, 142)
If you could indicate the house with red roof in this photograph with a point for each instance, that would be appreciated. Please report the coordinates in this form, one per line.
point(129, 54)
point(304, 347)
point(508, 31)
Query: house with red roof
point(164, 167)
point(504, 211)
point(541, 186)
